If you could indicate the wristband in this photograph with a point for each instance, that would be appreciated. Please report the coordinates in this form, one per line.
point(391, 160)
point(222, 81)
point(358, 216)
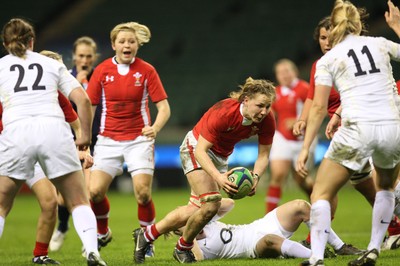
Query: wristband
point(338, 115)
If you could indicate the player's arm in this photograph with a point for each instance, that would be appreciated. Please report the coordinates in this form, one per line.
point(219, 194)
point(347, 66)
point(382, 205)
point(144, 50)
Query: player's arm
point(260, 164)
point(301, 123)
point(334, 123)
point(393, 18)
point(81, 100)
point(163, 114)
point(202, 157)
point(76, 127)
point(317, 114)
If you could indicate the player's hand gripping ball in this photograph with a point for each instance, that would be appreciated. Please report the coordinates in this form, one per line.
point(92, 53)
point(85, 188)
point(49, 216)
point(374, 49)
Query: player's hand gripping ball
point(243, 179)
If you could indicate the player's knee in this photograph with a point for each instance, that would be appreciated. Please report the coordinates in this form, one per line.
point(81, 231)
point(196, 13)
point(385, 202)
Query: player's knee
point(49, 206)
point(96, 196)
point(270, 241)
point(210, 203)
point(302, 208)
point(143, 198)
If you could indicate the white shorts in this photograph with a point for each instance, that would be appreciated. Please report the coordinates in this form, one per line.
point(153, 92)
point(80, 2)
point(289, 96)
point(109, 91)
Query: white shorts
point(283, 149)
point(38, 174)
point(239, 241)
point(188, 160)
point(109, 156)
point(48, 141)
point(353, 145)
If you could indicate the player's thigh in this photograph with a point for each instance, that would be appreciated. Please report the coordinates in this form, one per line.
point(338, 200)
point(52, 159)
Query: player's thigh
point(46, 194)
point(280, 169)
point(291, 214)
point(8, 190)
point(72, 188)
point(331, 176)
point(201, 182)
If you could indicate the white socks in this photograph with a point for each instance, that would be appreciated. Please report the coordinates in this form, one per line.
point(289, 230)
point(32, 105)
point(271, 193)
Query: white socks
point(86, 227)
point(382, 213)
point(2, 221)
point(334, 240)
point(320, 221)
point(293, 249)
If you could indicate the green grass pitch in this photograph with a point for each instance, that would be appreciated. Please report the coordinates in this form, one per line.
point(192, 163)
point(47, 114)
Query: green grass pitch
point(352, 223)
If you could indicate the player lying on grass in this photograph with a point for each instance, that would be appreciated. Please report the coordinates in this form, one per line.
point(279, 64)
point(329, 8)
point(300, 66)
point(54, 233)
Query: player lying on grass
point(267, 237)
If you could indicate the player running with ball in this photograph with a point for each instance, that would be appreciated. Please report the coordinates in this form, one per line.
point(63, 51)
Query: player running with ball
point(204, 156)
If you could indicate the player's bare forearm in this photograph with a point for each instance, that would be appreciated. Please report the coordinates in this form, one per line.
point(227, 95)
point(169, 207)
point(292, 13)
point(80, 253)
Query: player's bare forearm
point(82, 101)
point(163, 114)
point(76, 127)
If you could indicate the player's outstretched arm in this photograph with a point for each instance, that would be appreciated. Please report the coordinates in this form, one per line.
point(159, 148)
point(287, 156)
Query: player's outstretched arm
point(393, 17)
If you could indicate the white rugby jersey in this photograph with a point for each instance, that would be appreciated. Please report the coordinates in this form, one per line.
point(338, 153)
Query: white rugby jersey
point(238, 241)
point(28, 86)
point(359, 68)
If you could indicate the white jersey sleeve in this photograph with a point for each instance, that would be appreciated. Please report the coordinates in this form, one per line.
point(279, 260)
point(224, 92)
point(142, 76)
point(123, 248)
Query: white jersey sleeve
point(29, 86)
point(359, 68)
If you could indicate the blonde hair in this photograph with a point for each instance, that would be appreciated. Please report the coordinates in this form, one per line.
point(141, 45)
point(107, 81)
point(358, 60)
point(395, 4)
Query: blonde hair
point(52, 55)
point(253, 87)
point(142, 32)
point(16, 35)
point(85, 40)
point(345, 19)
point(289, 62)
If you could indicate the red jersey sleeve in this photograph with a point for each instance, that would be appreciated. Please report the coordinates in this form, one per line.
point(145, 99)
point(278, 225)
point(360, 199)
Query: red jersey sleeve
point(156, 89)
point(94, 88)
point(398, 86)
point(66, 106)
point(311, 90)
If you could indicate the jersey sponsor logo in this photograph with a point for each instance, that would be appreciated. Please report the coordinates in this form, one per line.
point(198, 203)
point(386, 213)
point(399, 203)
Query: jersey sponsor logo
point(109, 78)
point(137, 76)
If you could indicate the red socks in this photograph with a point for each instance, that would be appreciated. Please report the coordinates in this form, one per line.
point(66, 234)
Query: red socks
point(101, 210)
point(273, 198)
point(183, 245)
point(41, 249)
point(151, 233)
point(394, 226)
point(146, 214)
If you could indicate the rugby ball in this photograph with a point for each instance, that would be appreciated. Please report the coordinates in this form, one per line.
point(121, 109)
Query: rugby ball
point(243, 179)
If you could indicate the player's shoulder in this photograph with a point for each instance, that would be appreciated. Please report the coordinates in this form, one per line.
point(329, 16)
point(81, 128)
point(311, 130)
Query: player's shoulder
point(303, 84)
point(143, 64)
point(106, 63)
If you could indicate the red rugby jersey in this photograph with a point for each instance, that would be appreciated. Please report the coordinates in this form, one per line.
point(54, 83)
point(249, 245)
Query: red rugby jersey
point(334, 96)
point(222, 126)
point(286, 106)
point(124, 91)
